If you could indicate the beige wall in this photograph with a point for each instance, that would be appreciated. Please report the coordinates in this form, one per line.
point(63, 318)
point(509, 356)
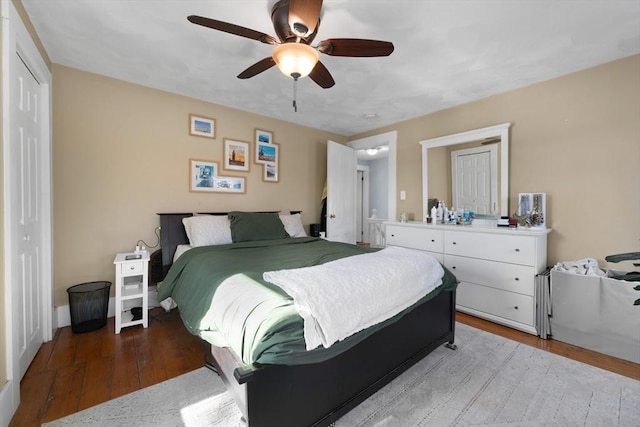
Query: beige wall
point(576, 138)
point(121, 154)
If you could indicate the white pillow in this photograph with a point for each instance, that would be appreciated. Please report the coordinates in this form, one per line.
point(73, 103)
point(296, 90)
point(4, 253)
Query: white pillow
point(206, 230)
point(293, 225)
point(181, 249)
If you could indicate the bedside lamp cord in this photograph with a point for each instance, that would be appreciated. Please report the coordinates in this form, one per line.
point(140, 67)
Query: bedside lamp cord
point(157, 232)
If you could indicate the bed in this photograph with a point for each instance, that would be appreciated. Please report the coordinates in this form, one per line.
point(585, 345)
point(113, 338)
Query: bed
point(317, 387)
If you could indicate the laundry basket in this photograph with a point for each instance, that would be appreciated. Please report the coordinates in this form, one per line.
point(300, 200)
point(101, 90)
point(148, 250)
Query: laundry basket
point(89, 303)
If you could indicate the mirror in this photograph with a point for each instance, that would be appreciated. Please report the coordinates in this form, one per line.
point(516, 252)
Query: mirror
point(436, 164)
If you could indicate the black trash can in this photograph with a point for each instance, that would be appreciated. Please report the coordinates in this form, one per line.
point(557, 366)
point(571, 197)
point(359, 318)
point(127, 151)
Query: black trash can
point(88, 303)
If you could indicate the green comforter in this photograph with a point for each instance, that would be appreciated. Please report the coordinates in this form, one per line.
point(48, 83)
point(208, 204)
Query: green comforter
point(195, 276)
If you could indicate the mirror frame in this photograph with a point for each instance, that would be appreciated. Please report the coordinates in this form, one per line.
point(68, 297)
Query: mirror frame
point(501, 130)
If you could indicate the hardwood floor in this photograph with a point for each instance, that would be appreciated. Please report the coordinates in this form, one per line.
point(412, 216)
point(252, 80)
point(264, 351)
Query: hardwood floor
point(76, 371)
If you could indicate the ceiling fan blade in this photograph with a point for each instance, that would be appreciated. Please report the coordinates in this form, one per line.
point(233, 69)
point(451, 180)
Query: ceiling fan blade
point(322, 76)
point(304, 16)
point(355, 47)
point(257, 68)
point(232, 29)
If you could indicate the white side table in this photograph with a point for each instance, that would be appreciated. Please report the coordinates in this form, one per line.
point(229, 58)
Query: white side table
point(131, 289)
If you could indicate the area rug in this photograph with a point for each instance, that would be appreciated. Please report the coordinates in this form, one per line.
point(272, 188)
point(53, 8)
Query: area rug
point(488, 381)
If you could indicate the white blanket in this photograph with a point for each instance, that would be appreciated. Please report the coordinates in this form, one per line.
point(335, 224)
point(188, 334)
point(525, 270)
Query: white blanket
point(342, 297)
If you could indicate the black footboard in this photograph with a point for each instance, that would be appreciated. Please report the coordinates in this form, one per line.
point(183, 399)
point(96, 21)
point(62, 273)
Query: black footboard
point(318, 394)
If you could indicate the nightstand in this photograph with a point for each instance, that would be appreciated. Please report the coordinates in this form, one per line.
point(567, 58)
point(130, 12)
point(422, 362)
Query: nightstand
point(132, 289)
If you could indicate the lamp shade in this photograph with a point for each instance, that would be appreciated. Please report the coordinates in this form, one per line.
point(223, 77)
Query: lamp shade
point(295, 59)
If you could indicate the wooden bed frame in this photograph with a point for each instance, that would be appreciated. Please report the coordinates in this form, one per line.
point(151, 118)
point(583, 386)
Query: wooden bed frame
point(318, 394)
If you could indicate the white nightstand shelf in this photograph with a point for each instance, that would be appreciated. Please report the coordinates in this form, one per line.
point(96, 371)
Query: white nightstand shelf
point(131, 289)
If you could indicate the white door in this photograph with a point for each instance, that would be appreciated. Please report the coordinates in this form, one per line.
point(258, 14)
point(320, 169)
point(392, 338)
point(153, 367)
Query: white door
point(341, 193)
point(25, 213)
point(472, 170)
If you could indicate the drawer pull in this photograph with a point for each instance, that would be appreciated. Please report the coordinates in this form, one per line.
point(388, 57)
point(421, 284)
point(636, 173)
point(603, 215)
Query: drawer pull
point(393, 235)
point(133, 267)
point(432, 240)
point(516, 307)
point(454, 243)
point(517, 250)
point(453, 268)
point(517, 279)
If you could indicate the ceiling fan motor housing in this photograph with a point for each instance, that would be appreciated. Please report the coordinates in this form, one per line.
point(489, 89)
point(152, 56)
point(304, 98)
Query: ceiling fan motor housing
point(280, 20)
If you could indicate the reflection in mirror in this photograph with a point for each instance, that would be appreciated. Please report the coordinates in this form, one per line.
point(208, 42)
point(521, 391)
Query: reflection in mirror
point(439, 156)
point(474, 177)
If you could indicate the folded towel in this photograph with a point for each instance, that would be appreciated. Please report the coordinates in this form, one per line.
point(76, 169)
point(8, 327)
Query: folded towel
point(342, 297)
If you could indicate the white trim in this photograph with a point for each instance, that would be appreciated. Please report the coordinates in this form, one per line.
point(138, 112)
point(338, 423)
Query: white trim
point(390, 139)
point(16, 39)
point(501, 130)
point(7, 408)
point(10, 395)
point(365, 201)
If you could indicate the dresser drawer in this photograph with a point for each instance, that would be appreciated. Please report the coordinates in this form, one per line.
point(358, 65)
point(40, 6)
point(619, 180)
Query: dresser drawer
point(509, 277)
point(131, 268)
point(496, 247)
point(415, 237)
point(509, 305)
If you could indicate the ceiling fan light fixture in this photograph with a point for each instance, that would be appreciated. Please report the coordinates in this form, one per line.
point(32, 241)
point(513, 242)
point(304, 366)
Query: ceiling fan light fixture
point(295, 59)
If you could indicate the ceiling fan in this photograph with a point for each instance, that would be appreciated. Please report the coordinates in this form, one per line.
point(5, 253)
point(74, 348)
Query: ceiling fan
point(296, 23)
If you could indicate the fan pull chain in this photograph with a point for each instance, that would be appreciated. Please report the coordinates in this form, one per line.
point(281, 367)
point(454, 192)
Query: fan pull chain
point(295, 96)
point(295, 91)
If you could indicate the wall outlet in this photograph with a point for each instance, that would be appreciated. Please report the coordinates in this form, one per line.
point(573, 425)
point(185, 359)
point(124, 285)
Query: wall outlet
point(403, 195)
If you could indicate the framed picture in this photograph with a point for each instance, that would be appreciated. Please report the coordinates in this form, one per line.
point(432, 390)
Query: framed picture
point(262, 137)
point(265, 136)
point(202, 126)
point(266, 153)
point(229, 184)
point(236, 155)
point(532, 210)
point(270, 172)
point(202, 174)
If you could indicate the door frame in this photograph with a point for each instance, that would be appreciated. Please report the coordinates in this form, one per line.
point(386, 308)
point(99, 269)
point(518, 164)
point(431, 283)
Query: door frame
point(17, 40)
point(391, 140)
point(364, 188)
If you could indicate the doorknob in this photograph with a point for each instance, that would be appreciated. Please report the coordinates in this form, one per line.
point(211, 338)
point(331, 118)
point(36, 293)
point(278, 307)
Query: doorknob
point(332, 216)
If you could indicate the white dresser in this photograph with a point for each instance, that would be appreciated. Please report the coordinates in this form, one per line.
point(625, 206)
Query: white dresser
point(496, 267)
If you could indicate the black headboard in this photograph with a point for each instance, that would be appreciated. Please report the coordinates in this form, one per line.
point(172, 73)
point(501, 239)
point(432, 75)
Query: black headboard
point(172, 234)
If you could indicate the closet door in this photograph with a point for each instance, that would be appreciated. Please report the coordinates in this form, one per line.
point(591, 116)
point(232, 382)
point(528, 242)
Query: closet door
point(26, 220)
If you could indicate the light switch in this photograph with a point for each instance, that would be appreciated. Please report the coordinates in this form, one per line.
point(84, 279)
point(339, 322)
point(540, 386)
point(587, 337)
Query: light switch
point(403, 195)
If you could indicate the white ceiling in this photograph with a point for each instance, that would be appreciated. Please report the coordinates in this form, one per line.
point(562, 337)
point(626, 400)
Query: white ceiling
point(447, 52)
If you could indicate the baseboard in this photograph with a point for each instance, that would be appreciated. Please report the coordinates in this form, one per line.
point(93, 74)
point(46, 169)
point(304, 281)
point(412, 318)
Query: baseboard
point(63, 315)
point(7, 405)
